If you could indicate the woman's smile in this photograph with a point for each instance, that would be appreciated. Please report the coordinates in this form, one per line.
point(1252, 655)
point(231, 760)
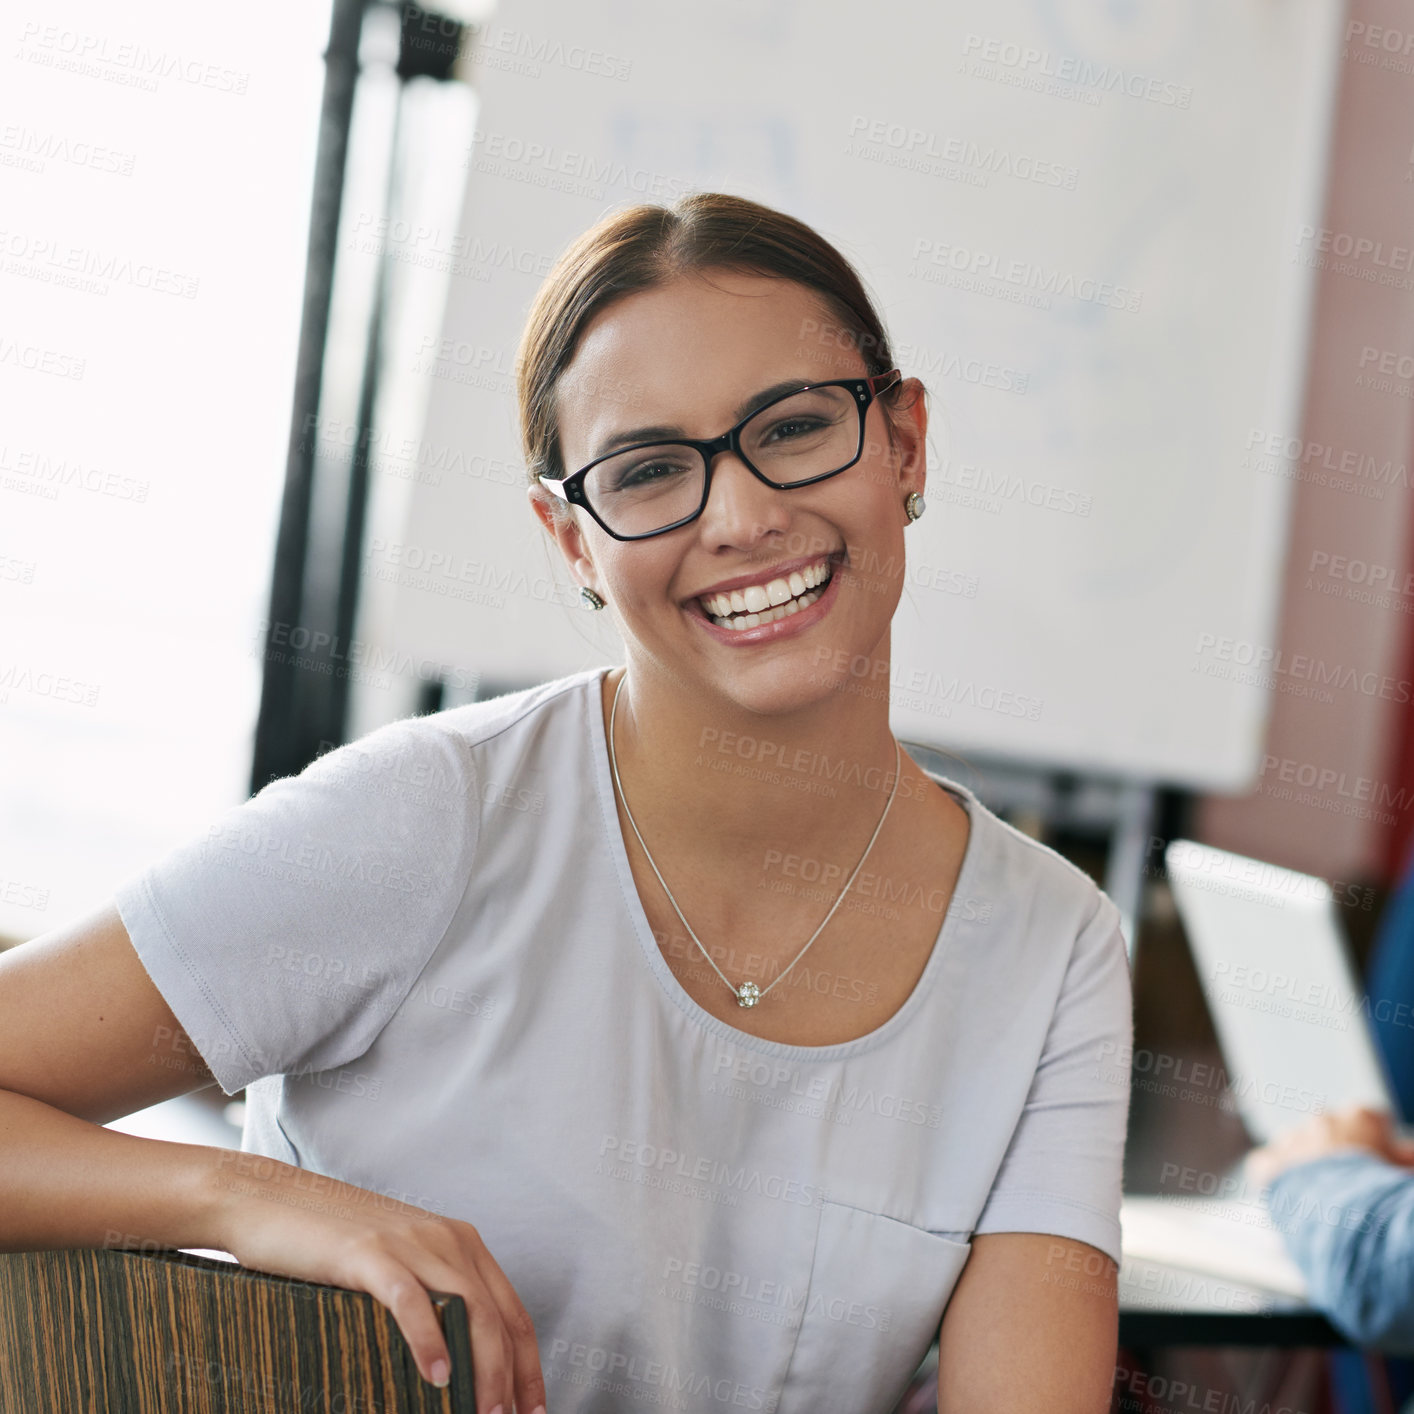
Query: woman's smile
point(770, 609)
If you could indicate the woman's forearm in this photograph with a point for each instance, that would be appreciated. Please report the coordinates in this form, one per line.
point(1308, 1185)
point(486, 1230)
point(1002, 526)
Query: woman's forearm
point(65, 1182)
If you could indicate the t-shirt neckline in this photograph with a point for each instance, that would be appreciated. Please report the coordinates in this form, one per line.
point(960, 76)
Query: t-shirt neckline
point(674, 990)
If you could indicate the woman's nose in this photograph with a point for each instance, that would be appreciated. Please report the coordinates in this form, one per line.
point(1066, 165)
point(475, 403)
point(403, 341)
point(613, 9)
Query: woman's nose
point(739, 504)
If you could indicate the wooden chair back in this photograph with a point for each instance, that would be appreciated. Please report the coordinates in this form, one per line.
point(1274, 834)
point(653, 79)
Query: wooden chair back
point(107, 1331)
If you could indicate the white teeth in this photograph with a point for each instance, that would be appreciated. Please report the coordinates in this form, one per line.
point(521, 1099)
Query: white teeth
point(779, 612)
point(760, 598)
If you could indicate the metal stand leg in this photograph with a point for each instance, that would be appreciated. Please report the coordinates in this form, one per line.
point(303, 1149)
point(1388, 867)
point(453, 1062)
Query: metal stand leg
point(1124, 870)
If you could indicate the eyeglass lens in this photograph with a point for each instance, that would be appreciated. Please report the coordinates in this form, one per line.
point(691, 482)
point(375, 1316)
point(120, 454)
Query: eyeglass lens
point(808, 434)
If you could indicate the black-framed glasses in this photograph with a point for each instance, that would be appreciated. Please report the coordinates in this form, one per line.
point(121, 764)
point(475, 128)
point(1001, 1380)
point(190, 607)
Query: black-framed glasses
point(804, 436)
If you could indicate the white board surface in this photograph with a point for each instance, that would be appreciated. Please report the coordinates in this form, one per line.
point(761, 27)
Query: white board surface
point(1084, 226)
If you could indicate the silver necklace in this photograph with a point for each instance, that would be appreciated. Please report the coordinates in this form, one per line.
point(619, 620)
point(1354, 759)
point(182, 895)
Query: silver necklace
point(748, 994)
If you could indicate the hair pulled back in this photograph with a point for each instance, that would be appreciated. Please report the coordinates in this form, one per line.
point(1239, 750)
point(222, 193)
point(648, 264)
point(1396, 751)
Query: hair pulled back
point(648, 245)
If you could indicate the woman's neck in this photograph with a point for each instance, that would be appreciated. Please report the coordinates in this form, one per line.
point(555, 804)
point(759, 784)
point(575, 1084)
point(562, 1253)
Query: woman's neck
point(737, 792)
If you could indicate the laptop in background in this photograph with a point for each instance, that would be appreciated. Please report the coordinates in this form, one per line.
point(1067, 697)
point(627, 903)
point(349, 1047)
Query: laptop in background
point(1291, 1022)
point(1290, 1013)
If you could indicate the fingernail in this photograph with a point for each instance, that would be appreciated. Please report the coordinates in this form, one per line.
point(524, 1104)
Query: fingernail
point(499, 1409)
point(441, 1373)
point(539, 1409)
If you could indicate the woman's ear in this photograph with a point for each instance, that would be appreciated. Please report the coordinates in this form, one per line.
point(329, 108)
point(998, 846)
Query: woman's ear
point(562, 526)
point(907, 412)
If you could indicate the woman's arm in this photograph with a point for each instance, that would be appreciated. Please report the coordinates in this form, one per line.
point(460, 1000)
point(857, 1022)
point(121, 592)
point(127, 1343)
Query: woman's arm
point(86, 1037)
point(1034, 1320)
point(1032, 1328)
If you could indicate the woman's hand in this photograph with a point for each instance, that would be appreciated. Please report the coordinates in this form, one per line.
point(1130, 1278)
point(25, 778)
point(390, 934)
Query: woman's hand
point(277, 1218)
point(1356, 1128)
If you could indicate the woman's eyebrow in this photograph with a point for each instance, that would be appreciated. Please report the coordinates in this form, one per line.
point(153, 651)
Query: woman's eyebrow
point(663, 432)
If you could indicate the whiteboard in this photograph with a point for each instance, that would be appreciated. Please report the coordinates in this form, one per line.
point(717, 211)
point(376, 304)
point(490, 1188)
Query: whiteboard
point(1088, 228)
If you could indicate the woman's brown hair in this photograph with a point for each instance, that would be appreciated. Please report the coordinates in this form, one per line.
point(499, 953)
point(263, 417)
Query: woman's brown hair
point(647, 245)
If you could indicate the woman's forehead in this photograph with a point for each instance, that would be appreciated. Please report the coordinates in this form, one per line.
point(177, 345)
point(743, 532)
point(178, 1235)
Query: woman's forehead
point(724, 311)
point(695, 348)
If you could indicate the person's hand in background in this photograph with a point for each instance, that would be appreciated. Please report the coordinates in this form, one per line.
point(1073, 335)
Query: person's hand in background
point(1356, 1128)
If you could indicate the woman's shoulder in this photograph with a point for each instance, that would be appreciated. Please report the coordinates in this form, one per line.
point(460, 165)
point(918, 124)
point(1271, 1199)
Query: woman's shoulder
point(481, 723)
point(442, 751)
point(1026, 879)
point(410, 779)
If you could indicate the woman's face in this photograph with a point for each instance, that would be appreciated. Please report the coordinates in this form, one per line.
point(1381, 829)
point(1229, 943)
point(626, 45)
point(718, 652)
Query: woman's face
point(695, 355)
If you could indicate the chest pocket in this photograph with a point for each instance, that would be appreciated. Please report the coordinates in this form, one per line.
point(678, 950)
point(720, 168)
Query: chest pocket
point(873, 1305)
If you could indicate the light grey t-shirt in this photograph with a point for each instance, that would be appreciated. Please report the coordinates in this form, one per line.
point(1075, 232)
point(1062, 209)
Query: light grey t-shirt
point(426, 959)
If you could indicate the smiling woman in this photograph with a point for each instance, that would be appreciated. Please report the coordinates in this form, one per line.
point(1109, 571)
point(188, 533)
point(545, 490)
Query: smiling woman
point(754, 1057)
point(744, 569)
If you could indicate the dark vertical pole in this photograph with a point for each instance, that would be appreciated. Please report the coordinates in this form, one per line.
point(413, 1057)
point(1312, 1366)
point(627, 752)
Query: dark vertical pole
point(428, 47)
point(283, 742)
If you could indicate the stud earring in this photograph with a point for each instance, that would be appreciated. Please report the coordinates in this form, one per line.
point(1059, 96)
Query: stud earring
point(914, 505)
point(590, 599)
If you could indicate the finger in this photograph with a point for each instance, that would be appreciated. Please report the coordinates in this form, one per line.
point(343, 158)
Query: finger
point(1369, 1122)
point(522, 1347)
point(405, 1295)
point(492, 1364)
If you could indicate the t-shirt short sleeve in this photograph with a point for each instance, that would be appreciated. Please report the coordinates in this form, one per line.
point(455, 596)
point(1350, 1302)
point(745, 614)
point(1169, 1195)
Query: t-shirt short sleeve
point(286, 934)
point(1063, 1169)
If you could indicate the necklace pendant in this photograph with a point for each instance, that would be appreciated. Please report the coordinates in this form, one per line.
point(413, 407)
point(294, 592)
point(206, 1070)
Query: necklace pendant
point(748, 994)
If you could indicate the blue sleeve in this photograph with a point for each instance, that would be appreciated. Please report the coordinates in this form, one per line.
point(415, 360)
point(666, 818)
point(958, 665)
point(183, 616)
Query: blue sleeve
point(1348, 1221)
point(1390, 984)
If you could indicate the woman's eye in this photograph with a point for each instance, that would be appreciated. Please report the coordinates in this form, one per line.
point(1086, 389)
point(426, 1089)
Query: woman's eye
point(645, 472)
point(794, 427)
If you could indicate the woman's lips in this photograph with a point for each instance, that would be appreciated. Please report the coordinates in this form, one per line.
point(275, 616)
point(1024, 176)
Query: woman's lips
point(786, 627)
